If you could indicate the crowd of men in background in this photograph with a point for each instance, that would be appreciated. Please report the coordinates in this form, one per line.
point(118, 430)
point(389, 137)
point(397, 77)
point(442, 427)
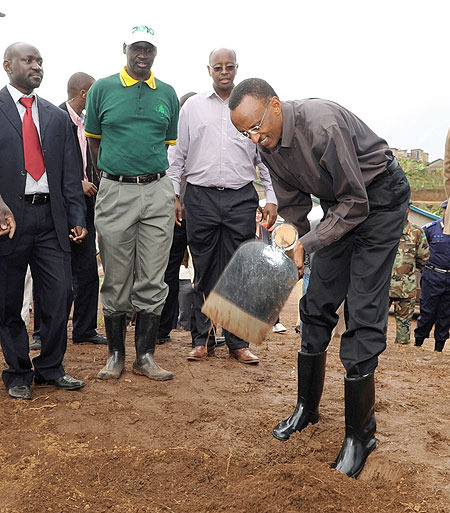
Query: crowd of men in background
point(119, 163)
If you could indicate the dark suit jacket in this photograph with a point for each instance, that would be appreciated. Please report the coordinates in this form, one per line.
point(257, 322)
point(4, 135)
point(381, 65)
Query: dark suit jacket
point(91, 174)
point(89, 168)
point(60, 158)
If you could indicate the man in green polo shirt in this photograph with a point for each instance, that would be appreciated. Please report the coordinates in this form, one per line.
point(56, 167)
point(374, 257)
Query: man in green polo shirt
point(131, 118)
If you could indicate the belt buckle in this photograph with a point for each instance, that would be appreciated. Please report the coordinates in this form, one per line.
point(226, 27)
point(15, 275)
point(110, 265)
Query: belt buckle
point(33, 201)
point(138, 179)
point(220, 188)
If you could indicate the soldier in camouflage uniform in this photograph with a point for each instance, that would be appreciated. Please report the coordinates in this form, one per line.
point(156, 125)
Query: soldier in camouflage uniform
point(412, 254)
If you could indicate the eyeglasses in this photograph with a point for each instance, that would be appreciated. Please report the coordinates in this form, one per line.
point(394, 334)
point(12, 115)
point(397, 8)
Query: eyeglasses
point(228, 67)
point(245, 134)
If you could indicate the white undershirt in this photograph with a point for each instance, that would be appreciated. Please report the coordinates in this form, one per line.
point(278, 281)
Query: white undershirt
point(31, 185)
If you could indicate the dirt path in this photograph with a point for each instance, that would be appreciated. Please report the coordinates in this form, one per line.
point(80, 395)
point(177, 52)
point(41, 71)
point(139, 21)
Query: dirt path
point(202, 443)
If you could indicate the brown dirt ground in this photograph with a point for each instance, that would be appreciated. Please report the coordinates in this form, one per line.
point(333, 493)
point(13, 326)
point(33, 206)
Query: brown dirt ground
point(424, 195)
point(202, 442)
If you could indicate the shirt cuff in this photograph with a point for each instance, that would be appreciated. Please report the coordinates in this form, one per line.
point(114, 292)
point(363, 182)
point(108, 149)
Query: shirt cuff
point(311, 242)
point(271, 198)
point(94, 136)
point(176, 187)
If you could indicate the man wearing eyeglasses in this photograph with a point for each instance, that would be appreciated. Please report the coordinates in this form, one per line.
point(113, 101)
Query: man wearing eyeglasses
point(317, 147)
point(220, 200)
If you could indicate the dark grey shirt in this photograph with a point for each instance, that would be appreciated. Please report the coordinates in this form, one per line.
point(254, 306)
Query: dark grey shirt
point(328, 152)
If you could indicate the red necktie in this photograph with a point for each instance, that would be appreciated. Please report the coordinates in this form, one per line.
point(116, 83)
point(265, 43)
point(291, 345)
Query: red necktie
point(34, 161)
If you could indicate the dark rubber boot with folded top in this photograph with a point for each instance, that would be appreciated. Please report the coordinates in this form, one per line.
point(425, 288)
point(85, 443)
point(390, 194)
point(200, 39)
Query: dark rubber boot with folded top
point(311, 377)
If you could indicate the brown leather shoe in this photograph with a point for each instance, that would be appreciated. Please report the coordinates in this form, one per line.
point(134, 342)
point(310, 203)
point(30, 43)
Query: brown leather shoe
point(244, 355)
point(200, 353)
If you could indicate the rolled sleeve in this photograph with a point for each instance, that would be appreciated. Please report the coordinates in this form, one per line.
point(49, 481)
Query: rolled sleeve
point(340, 160)
point(178, 154)
point(92, 124)
point(266, 180)
point(293, 204)
point(172, 129)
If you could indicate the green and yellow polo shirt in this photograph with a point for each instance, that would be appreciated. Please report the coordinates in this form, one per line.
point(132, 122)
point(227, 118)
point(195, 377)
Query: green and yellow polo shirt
point(134, 120)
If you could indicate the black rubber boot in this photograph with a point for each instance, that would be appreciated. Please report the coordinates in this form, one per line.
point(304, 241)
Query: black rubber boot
point(360, 425)
point(146, 333)
point(438, 345)
point(116, 329)
point(311, 376)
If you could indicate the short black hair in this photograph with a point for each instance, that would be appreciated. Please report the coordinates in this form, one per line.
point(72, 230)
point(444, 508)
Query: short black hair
point(227, 49)
point(186, 97)
point(77, 82)
point(256, 87)
point(10, 50)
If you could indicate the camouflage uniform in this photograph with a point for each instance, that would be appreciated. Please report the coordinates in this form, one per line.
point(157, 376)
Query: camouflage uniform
point(412, 254)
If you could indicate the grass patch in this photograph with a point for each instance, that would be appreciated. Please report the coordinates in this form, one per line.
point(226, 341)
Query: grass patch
point(420, 177)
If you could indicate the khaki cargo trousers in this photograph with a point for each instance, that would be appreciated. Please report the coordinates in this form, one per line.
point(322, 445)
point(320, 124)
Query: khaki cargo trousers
point(134, 223)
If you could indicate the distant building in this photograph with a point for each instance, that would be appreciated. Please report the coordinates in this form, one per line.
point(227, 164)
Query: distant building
point(419, 155)
point(415, 154)
point(400, 154)
point(436, 164)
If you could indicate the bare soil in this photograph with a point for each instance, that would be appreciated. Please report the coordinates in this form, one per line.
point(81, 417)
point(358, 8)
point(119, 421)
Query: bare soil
point(202, 442)
point(425, 195)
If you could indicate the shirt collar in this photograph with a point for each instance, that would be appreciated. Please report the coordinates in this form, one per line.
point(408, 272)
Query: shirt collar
point(288, 124)
point(212, 92)
point(77, 120)
point(17, 95)
point(128, 81)
point(288, 132)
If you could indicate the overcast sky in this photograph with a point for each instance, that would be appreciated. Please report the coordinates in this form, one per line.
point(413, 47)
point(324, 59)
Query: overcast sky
point(387, 61)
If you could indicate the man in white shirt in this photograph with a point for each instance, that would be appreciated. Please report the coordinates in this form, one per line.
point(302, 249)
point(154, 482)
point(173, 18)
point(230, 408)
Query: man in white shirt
point(220, 200)
point(40, 184)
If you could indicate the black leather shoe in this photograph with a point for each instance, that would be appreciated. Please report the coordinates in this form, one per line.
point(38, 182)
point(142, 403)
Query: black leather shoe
point(66, 382)
point(20, 392)
point(36, 345)
point(163, 340)
point(97, 340)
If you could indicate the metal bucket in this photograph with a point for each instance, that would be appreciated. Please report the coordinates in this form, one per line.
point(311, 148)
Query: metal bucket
point(254, 286)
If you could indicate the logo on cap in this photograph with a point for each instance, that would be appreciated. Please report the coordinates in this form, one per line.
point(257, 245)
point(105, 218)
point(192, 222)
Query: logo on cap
point(143, 28)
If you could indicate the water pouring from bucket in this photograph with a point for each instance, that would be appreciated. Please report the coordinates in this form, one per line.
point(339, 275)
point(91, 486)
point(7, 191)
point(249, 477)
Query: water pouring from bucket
point(254, 286)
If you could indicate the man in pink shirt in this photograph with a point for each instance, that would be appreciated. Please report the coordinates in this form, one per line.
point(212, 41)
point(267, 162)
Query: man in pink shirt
point(84, 262)
point(220, 200)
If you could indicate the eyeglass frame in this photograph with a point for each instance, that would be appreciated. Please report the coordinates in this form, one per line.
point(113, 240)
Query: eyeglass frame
point(228, 67)
point(255, 129)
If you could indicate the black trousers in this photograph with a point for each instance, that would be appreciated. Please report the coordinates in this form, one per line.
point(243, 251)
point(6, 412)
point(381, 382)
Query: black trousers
point(357, 267)
point(218, 221)
point(85, 285)
point(38, 246)
point(169, 314)
point(85, 282)
point(434, 307)
point(185, 305)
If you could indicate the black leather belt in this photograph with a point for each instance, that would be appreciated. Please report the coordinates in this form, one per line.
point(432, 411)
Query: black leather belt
point(133, 179)
point(38, 198)
point(437, 269)
point(393, 164)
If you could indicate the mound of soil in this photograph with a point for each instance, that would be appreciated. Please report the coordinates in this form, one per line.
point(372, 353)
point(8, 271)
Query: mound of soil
point(202, 442)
